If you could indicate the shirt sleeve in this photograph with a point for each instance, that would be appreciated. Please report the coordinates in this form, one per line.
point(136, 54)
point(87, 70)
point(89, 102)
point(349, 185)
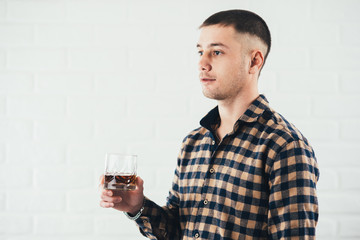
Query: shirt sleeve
point(161, 222)
point(293, 206)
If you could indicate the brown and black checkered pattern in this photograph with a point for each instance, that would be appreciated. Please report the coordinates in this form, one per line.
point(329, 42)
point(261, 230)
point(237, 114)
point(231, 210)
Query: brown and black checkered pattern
point(259, 182)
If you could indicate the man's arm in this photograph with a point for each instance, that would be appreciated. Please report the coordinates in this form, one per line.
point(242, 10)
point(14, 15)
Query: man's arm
point(155, 222)
point(293, 206)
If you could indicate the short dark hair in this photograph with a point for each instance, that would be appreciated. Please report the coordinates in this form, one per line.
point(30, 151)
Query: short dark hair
point(244, 22)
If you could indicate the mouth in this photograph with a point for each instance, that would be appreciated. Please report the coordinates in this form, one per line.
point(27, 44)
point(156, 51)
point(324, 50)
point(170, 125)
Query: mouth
point(207, 79)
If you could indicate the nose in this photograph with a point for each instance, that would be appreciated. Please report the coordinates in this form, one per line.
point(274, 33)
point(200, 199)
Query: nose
point(204, 64)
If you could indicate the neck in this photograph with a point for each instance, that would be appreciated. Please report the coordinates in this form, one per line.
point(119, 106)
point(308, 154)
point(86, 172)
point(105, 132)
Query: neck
point(230, 110)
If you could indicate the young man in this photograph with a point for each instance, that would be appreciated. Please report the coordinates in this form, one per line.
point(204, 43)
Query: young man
point(246, 173)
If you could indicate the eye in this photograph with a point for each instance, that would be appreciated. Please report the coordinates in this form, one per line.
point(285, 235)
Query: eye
point(217, 53)
point(200, 53)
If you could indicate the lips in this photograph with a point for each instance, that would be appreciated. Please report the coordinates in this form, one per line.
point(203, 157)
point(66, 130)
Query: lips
point(207, 79)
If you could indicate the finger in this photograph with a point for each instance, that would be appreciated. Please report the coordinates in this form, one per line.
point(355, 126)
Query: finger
point(101, 184)
point(105, 204)
point(102, 178)
point(140, 183)
point(106, 198)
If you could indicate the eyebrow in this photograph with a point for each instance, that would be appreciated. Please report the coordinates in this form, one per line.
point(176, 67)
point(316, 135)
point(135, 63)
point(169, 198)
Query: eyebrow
point(213, 45)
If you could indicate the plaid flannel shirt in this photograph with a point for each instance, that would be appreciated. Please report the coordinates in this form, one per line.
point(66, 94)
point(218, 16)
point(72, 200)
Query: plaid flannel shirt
point(259, 182)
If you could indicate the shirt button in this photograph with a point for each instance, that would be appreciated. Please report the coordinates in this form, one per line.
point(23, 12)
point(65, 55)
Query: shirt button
point(212, 170)
point(206, 201)
point(197, 235)
point(213, 142)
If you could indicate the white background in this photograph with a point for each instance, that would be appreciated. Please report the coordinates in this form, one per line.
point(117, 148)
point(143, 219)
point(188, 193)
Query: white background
point(81, 78)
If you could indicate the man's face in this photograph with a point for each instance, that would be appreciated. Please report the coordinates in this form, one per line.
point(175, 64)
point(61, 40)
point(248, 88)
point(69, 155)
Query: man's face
point(223, 62)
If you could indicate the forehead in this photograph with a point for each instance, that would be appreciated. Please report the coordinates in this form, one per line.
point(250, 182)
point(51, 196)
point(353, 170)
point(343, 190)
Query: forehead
point(218, 34)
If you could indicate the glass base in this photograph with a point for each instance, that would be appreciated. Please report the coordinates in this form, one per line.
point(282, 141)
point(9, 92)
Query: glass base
point(122, 187)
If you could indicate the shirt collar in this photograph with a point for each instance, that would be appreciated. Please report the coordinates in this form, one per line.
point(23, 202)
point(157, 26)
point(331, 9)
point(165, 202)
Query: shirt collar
point(254, 111)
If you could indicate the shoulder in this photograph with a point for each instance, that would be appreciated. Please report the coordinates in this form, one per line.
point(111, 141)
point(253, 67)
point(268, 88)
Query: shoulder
point(282, 131)
point(293, 148)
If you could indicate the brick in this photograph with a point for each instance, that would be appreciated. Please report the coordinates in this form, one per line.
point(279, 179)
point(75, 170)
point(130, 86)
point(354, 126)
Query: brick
point(65, 34)
point(292, 10)
point(2, 202)
point(16, 34)
point(349, 226)
point(178, 13)
point(167, 82)
point(166, 38)
point(2, 59)
point(2, 106)
point(36, 59)
point(36, 11)
point(302, 34)
point(157, 194)
point(123, 131)
point(113, 35)
point(125, 84)
point(339, 202)
point(349, 82)
point(36, 202)
point(300, 63)
point(349, 178)
point(339, 59)
point(267, 82)
point(291, 105)
point(16, 83)
point(2, 10)
point(14, 129)
point(331, 154)
point(164, 59)
point(63, 131)
point(308, 82)
point(318, 130)
point(64, 178)
point(92, 153)
point(350, 130)
point(65, 83)
point(350, 34)
point(175, 135)
point(329, 179)
point(83, 201)
point(2, 153)
point(108, 11)
point(96, 107)
point(15, 177)
point(148, 153)
point(36, 106)
point(135, 35)
point(164, 178)
point(15, 224)
point(336, 106)
point(199, 107)
point(344, 11)
point(154, 106)
point(99, 59)
point(63, 224)
point(36, 153)
point(327, 227)
point(109, 225)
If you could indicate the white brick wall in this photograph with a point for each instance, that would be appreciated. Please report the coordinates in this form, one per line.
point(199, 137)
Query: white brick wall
point(80, 78)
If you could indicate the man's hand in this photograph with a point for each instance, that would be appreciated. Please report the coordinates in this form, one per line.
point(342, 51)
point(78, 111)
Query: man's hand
point(126, 201)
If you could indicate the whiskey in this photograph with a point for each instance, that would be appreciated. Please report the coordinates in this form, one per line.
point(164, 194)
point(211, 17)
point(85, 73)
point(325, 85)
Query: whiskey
point(120, 182)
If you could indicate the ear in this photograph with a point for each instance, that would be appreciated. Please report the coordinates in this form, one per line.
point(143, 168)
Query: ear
point(257, 61)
